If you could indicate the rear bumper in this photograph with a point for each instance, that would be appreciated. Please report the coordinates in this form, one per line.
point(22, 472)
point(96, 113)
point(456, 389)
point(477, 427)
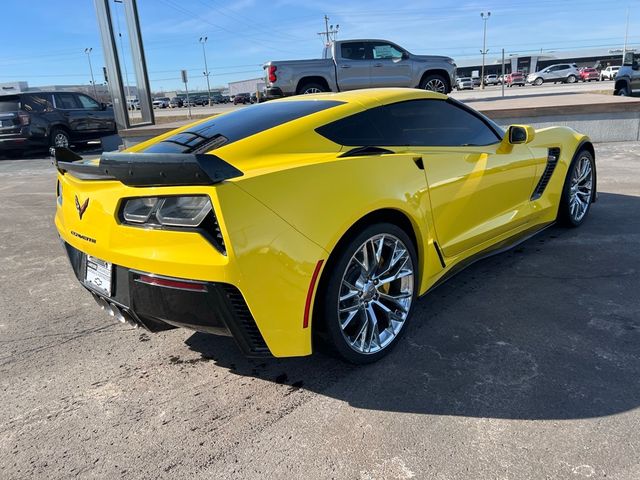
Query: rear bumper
point(274, 92)
point(219, 309)
point(19, 142)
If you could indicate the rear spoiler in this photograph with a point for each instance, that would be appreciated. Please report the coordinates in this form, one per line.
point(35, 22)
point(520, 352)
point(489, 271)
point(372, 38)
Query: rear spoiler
point(147, 169)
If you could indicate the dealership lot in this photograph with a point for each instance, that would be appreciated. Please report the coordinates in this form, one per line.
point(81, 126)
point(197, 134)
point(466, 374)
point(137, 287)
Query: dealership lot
point(525, 365)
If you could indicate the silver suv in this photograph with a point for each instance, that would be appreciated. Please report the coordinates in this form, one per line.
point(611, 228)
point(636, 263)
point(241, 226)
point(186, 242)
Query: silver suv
point(562, 72)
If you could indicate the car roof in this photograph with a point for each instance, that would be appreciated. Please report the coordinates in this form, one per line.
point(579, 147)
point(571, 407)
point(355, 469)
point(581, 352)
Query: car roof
point(370, 97)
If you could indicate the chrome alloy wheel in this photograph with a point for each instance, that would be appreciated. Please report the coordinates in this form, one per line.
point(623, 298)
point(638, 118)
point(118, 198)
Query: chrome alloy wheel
point(376, 293)
point(61, 140)
point(436, 85)
point(581, 188)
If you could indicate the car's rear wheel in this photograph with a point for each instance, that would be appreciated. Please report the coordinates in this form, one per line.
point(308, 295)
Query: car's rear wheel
point(309, 88)
point(578, 190)
point(434, 83)
point(59, 138)
point(369, 293)
point(571, 79)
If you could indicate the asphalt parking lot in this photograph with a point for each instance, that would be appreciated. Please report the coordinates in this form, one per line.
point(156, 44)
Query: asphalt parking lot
point(525, 365)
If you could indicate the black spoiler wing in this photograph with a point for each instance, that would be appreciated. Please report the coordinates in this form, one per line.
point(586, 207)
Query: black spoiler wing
point(148, 169)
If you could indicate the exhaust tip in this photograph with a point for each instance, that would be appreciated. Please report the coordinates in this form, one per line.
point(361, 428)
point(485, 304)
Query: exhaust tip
point(114, 311)
point(129, 319)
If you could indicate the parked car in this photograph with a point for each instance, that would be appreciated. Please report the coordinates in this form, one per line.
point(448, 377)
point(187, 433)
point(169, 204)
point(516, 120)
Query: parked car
point(176, 102)
point(515, 78)
point(476, 81)
point(201, 101)
point(464, 83)
point(133, 104)
point(56, 119)
point(628, 77)
point(491, 79)
point(189, 103)
point(299, 228)
point(589, 74)
point(356, 64)
point(243, 98)
point(161, 102)
point(609, 73)
point(563, 72)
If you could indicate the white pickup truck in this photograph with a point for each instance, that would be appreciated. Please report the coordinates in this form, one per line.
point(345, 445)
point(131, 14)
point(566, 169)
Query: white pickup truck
point(355, 64)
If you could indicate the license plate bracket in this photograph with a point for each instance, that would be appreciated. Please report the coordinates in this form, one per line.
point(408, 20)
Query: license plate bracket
point(98, 275)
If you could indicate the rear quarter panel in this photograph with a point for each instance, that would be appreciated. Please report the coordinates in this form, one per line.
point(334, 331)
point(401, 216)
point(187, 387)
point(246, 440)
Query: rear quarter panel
point(569, 141)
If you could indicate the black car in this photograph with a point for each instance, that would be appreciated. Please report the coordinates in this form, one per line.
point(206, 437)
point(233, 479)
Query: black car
point(176, 102)
point(57, 119)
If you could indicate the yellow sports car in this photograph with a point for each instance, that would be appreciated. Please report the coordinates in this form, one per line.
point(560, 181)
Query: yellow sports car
point(313, 218)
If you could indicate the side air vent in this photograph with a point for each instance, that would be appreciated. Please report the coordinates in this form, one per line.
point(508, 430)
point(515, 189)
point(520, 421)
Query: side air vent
point(552, 161)
point(246, 331)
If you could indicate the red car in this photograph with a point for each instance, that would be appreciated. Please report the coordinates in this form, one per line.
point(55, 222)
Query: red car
point(588, 74)
point(515, 78)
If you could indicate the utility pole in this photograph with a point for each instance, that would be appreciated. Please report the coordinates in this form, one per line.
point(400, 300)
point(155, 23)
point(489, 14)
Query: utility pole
point(330, 33)
point(203, 40)
point(626, 38)
point(502, 82)
point(88, 52)
point(484, 51)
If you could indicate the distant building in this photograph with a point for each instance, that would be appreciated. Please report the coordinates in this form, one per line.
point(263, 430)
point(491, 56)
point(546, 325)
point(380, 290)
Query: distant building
point(13, 87)
point(246, 86)
point(534, 62)
point(101, 92)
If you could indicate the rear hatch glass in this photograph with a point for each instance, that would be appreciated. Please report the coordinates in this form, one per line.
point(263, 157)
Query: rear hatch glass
point(237, 125)
point(9, 106)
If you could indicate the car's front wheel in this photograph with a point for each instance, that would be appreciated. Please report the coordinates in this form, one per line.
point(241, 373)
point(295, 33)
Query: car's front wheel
point(578, 190)
point(369, 293)
point(538, 81)
point(434, 83)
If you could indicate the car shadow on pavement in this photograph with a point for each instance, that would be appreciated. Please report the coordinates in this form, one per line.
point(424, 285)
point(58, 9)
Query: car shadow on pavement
point(548, 330)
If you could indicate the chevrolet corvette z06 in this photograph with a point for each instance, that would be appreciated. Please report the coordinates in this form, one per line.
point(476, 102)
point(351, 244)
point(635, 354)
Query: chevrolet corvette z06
point(316, 218)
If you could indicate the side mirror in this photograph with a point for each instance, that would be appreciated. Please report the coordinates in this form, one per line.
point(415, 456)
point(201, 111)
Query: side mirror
point(103, 106)
point(405, 55)
point(519, 134)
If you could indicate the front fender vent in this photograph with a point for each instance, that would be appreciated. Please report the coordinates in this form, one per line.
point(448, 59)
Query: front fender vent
point(552, 160)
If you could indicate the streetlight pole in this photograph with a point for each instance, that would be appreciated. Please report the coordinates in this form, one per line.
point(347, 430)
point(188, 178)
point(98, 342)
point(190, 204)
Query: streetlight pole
point(626, 38)
point(203, 40)
point(484, 51)
point(88, 52)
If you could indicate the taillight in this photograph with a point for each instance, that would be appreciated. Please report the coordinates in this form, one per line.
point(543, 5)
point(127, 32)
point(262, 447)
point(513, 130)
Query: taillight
point(272, 73)
point(24, 117)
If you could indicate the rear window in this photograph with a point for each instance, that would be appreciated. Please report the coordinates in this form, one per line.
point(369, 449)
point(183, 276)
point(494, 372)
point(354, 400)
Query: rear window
point(9, 104)
point(37, 102)
point(234, 126)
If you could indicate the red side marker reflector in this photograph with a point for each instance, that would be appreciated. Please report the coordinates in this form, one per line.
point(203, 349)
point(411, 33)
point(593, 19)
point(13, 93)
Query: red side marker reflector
point(169, 283)
point(312, 285)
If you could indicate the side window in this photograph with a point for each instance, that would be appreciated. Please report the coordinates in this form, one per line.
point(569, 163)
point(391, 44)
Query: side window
point(356, 130)
point(353, 50)
point(66, 101)
point(88, 103)
point(385, 51)
point(37, 102)
point(434, 123)
point(438, 123)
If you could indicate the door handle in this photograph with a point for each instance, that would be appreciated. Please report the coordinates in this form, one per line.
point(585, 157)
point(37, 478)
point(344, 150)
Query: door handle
point(377, 65)
point(345, 66)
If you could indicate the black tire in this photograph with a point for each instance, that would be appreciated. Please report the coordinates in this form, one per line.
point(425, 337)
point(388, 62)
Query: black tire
point(435, 83)
point(565, 216)
point(59, 138)
point(311, 87)
point(571, 79)
point(538, 81)
point(623, 91)
point(339, 267)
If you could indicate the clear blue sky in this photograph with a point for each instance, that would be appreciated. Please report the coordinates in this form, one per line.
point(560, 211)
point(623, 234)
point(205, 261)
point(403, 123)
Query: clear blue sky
point(44, 40)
